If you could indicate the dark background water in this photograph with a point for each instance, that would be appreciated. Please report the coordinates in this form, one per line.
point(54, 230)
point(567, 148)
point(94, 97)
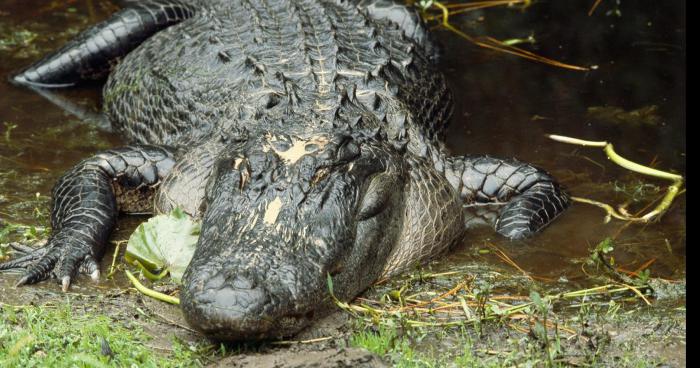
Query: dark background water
point(504, 107)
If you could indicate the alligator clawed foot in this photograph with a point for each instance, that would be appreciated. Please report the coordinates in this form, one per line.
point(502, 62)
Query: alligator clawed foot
point(52, 260)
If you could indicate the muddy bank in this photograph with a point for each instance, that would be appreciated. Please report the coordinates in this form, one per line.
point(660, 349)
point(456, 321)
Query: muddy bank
point(594, 333)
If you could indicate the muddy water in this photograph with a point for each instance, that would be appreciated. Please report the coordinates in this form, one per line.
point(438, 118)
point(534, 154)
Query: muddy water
point(635, 97)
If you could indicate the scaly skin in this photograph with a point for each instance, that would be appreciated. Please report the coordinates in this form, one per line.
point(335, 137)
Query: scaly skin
point(304, 133)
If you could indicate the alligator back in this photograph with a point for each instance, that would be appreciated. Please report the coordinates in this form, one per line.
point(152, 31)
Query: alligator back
point(289, 65)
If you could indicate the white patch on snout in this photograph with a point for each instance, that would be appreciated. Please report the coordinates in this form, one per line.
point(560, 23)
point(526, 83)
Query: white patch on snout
point(237, 163)
point(298, 148)
point(245, 175)
point(272, 211)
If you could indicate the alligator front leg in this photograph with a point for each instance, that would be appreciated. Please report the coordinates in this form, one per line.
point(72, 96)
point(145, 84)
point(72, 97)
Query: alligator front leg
point(529, 196)
point(86, 201)
point(93, 52)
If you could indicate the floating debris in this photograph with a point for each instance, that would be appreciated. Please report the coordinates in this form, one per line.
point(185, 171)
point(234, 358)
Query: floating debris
point(647, 115)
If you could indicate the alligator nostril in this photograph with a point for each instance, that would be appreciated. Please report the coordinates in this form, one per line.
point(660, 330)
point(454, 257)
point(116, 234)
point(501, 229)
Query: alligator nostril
point(242, 283)
point(215, 282)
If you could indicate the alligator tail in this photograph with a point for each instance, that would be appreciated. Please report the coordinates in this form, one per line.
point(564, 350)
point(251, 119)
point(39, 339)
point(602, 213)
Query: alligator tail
point(92, 53)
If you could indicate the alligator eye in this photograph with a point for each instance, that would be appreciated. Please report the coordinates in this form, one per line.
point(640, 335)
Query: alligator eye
point(348, 150)
point(378, 195)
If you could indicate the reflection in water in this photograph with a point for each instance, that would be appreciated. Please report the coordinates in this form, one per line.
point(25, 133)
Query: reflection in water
point(504, 106)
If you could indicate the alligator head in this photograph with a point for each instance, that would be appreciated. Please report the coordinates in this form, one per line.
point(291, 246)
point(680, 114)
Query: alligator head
point(282, 213)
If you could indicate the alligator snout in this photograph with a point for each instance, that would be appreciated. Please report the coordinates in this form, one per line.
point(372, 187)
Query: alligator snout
point(226, 309)
point(229, 305)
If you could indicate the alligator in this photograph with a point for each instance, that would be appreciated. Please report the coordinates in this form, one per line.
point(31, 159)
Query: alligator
point(307, 135)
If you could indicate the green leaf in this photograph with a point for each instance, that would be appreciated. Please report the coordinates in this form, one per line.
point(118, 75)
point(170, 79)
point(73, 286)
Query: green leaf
point(164, 242)
point(329, 280)
point(606, 246)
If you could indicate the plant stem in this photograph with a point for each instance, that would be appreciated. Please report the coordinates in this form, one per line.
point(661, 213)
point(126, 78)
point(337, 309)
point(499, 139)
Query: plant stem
point(150, 292)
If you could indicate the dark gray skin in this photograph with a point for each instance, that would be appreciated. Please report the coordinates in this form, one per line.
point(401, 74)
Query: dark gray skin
point(305, 134)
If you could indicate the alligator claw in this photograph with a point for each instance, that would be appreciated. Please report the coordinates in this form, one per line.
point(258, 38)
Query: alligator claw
point(22, 281)
point(24, 249)
point(65, 283)
point(25, 256)
point(95, 276)
point(91, 267)
point(17, 263)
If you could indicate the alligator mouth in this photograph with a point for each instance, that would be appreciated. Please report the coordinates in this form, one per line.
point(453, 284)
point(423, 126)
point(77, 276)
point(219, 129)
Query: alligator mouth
point(237, 308)
point(220, 321)
point(227, 310)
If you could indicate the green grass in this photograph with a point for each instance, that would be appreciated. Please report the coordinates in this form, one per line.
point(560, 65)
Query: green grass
point(58, 337)
point(396, 349)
